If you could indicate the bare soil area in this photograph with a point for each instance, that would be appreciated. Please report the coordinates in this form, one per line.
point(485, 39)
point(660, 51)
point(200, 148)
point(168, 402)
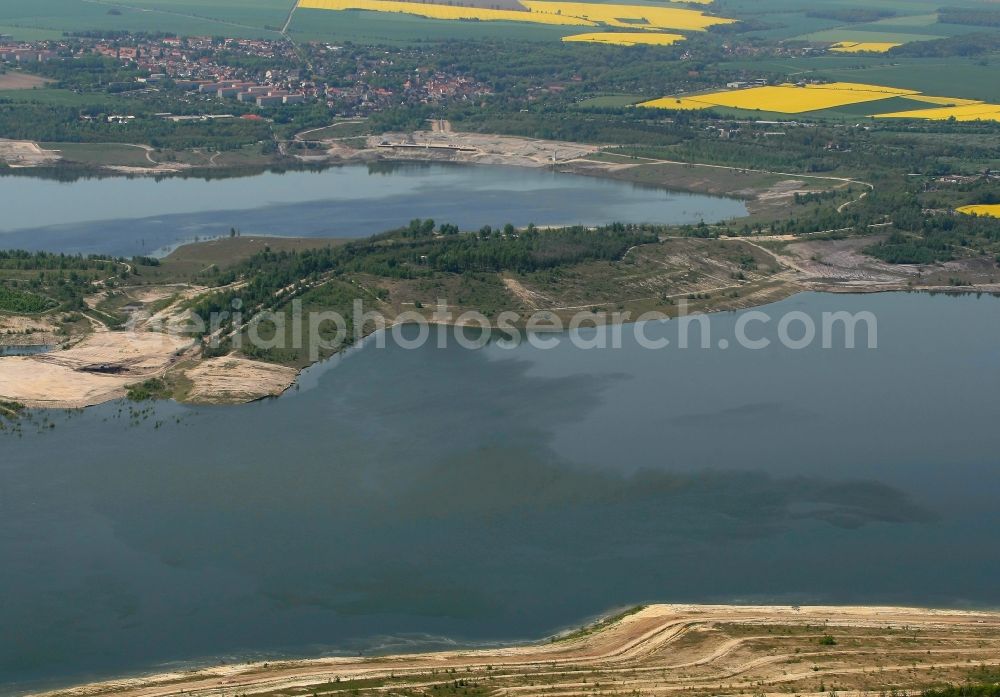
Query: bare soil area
point(15, 80)
point(530, 298)
point(230, 379)
point(18, 330)
point(23, 153)
point(842, 265)
point(95, 370)
point(444, 145)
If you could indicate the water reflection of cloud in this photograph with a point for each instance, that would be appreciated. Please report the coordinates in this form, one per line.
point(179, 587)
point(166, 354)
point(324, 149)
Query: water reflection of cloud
point(746, 414)
point(414, 491)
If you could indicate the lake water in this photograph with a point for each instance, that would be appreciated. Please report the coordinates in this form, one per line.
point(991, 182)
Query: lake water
point(124, 216)
point(30, 350)
point(24, 350)
point(414, 498)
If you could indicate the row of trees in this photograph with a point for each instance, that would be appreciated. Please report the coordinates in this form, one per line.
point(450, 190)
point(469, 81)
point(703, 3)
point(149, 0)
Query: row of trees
point(34, 261)
point(963, 46)
point(854, 15)
point(972, 16)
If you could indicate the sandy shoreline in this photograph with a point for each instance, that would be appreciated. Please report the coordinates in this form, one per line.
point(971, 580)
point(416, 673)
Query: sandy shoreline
point(656, 645)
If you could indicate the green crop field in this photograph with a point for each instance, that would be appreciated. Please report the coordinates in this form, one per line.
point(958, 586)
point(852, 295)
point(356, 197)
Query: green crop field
point(945, 77)
point(29, 33)
point(249, 19)
point(828, 20)
point(803, 66)
point(786, 26)
point(969, 78)
point(919, 25)
point(101, 154)
point(884, 106)
point(851, 33)
point(377, 27)
point(263, 14)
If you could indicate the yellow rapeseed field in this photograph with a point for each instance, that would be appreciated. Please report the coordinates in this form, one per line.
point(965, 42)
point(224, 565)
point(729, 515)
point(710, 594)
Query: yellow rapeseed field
point(784, 99)
point(446, 11)
point(992, 210)
point(968, 112)
point(627, 38)
point(629, 16)
point(862, 47)
point(791, 99)
point(543, 12)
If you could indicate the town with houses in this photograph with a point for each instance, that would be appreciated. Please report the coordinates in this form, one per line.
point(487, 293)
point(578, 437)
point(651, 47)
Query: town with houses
point(250, 73)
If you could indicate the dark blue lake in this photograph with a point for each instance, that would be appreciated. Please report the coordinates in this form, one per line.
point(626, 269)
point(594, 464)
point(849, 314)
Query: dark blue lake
point(128, 216)
point(413, 498)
